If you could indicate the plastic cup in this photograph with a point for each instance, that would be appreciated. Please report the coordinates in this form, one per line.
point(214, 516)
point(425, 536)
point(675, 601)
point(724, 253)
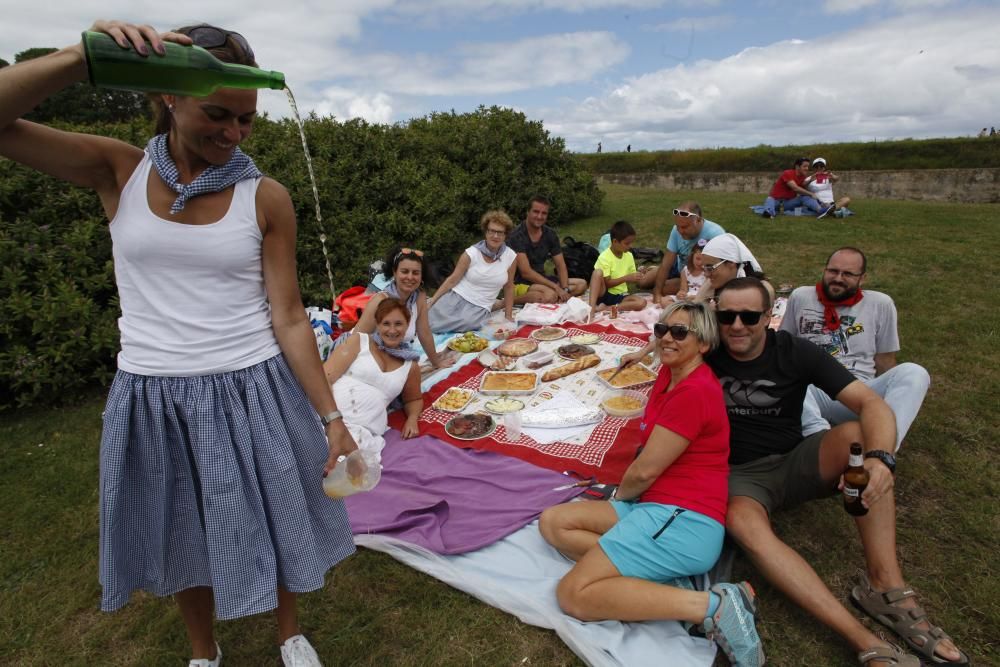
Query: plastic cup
point(798, 210)
point(512, 425)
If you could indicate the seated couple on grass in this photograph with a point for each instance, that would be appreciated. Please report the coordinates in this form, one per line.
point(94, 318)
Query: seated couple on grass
point(764, 376)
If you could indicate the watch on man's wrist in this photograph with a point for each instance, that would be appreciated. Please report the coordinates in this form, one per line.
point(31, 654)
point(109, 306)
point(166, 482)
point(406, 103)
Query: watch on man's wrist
point(885, 457)
point(331, 417)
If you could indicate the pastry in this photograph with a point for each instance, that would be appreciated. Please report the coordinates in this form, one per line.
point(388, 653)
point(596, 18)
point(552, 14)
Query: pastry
point(516, 347)
point(633, 375)
point(509, 382)
point(548, 333)
point(580, 364)
point(452, 400)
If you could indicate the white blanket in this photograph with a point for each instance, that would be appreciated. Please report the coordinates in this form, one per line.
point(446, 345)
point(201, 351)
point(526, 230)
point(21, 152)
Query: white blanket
point(519, 575)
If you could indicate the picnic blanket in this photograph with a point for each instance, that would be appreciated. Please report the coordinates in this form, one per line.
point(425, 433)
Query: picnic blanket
point(519, 574)
point(451, 500)
point(605, 452)
point(841, 212)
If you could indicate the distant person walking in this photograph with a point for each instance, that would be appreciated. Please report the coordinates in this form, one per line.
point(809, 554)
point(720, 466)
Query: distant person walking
point(628, 149)
point(599, 143)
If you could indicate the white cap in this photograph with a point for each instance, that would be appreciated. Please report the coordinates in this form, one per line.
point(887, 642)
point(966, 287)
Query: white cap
point(818, 160)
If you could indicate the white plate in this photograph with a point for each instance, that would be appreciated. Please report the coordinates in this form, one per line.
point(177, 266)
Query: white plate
point(515, 406)
point(509, 392)
point(468, 397)
point(548, 330)
point(586, 339)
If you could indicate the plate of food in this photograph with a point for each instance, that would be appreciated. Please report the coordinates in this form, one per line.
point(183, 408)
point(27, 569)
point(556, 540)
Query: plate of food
point(633, 376)
point(497, 362)
point(548, 333)
point(504, 405)
point(470, 426)
point(574, 351)
point(453, 400)
point(516, 347)
point(495, 382)
point(586, 339)
point(468, 342)
point(626, 404)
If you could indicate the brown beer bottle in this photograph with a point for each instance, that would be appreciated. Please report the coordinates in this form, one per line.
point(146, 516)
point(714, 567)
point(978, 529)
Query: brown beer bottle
point(855, 482)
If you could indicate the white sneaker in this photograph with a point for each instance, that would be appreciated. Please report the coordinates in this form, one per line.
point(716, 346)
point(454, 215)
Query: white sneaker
point(298, 652)
point(205, 662)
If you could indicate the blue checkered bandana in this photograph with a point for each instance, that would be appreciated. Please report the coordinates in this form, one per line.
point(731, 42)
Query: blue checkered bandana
point(213, 179)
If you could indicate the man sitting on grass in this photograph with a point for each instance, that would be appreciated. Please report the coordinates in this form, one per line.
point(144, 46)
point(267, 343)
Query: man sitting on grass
point(615, 268)
point(858, 328)
point(790, 191)
point(689, 228)
point(764, 376)
point(535, 242)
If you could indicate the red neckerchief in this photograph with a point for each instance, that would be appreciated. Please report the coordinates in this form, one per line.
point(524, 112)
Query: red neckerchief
point(831, 319)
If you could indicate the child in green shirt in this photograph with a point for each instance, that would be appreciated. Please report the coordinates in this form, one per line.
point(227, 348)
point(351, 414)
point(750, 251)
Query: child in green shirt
point(614, 269)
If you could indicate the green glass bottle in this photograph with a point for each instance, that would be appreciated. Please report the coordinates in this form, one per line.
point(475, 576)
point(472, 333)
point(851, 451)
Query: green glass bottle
point(184, 70)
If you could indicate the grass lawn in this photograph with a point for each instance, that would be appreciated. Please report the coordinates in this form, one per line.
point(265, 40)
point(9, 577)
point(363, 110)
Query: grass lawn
point(930, 257)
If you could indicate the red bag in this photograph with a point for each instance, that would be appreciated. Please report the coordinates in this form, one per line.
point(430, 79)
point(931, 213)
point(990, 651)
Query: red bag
point(350, 303)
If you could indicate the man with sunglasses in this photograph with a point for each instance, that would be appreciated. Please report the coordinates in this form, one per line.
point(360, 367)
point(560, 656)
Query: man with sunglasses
point(689, 228)
point(857, 328)
point(791, 191)
point(765, 376)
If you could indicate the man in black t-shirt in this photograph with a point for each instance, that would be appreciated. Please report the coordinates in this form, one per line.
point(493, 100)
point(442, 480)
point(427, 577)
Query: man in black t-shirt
point(764, 375)
point(535, 242)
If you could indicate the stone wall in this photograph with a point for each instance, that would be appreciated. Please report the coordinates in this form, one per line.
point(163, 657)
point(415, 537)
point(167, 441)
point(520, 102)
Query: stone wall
point(978, 186)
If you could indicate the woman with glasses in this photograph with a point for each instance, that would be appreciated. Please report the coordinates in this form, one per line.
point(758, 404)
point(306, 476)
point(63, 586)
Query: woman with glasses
point(726, 257)
point(466, 297)
point(212, 453)
point(636, 554)
point(406, 268)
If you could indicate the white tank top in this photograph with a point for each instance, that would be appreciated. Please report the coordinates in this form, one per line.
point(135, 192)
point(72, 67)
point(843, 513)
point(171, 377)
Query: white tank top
point(483, 280)
point(192, 296)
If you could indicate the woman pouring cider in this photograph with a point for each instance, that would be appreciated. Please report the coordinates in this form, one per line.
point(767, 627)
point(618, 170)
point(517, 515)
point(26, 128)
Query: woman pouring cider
point(213, 450)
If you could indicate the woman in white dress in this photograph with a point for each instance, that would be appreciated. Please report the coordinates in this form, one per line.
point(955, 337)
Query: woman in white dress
point(466, 297)
point(370, 370)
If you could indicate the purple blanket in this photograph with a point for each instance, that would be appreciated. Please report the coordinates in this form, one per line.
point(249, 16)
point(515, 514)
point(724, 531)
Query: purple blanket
point(452, 500)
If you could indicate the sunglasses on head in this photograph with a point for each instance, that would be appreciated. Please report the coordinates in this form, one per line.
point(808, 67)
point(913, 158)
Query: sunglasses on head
point(210, 37)
point(677, 331)
point(684, 214)
point(403, 252)
point(748, 317)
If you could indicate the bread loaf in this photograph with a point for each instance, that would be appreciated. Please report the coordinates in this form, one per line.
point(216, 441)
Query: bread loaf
point(581, 364)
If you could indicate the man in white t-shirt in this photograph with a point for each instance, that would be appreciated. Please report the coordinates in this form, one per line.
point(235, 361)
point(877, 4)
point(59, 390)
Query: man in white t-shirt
point(858, 328)
point(820, 184)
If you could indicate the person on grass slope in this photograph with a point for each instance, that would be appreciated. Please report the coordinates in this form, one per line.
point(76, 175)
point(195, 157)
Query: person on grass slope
point(635, 555)
point(213, 450)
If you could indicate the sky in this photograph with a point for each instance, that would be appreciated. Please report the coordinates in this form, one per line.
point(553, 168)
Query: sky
point(653, 74)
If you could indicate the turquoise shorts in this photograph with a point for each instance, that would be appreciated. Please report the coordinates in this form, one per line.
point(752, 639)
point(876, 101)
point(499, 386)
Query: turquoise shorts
point(661, 542)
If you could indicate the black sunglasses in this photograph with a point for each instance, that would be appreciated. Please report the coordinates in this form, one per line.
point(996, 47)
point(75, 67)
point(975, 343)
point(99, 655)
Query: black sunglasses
point(677, 331)
point(210, 37)
point(748, 317)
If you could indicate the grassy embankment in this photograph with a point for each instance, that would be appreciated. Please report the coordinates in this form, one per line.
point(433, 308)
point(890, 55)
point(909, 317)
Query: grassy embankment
point(934, 259)
point(952, 153)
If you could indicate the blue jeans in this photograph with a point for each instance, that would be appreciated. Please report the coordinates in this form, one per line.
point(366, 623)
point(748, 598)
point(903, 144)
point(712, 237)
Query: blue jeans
point(770, 204)
point(903, 387)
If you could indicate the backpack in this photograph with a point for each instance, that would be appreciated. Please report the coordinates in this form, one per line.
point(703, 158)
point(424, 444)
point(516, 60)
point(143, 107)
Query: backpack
point(580, 258)
point(647, 255)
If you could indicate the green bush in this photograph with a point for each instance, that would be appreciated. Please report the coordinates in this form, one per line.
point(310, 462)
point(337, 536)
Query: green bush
point(424, 184)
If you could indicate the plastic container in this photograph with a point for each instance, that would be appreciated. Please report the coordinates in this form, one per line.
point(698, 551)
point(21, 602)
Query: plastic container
point(352, 474)
point(512, 426)
point(624, 412)
point(183, 70)
point(798, 210)
point(499, 330)
point(537, 359)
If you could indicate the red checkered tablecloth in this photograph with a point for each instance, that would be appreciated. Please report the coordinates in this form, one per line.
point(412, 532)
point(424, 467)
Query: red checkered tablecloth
point(606, 454)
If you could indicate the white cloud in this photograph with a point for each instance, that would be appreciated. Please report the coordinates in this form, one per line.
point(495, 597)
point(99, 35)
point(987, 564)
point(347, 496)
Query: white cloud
point(903, 77)
point(343, 103)
point(850, 6)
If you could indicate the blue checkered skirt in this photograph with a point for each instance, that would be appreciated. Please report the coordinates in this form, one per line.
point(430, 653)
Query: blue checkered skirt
point(216, 481)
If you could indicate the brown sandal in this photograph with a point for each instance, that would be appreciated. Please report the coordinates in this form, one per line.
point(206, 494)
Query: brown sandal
point(895, 656)
point(885, 608)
